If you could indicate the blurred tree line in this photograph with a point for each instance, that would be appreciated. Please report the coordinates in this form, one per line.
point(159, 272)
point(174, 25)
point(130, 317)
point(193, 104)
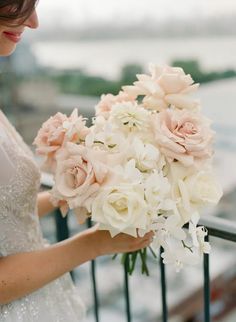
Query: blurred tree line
point(193, 68)
point(79, 82)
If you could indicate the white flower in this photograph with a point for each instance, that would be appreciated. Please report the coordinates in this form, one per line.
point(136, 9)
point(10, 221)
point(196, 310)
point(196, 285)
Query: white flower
point(130, 116)
point(196, 191)
point(121, 208)
point(179, 256)
point(167, 229)
point(198, 235)
point(203, 188)
point(107, 138)
point(157, 193)
point(127, 174)
point(145, 155)
point(192, 190)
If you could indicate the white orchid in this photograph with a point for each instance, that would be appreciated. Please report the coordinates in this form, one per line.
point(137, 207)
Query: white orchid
point(198, 235)
point(179, 256)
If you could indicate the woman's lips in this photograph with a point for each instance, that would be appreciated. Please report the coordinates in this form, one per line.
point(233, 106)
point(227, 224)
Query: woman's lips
point(13, 36)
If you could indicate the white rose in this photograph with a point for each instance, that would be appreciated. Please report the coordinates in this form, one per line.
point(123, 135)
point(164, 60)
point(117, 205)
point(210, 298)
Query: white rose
point(203, 188)
point(145, 155)
point(193, 190)
point(121, 208)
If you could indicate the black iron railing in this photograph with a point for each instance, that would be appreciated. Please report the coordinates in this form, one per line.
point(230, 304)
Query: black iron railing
point(216, 226)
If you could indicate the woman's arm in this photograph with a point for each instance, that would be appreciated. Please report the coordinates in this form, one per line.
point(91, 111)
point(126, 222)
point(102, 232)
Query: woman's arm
point(23, 273)
point(44, 204)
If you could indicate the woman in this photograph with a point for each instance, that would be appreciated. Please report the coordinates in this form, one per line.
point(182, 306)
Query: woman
point(34, 280)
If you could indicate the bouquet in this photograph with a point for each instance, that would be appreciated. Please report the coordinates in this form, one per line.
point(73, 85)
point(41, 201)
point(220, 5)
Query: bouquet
point(144, 165)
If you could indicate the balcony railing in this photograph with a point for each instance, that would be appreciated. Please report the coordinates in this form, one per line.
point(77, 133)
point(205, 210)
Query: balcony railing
point(216, 226)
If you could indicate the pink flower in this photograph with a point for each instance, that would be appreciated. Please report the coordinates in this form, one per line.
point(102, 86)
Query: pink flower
point(58, 130)
point(75, 127)
point(183, 136)
point(51, 135)
point(166, 86)
point(107, 101)
point(80, 172)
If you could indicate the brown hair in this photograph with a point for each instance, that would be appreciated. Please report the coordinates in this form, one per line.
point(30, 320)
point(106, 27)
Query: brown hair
point(12, 10)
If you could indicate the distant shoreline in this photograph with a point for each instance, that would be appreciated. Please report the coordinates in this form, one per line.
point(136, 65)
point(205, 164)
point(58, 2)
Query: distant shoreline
point(105, 58)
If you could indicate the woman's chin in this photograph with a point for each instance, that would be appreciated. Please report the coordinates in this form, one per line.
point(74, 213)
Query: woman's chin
point(7, 50)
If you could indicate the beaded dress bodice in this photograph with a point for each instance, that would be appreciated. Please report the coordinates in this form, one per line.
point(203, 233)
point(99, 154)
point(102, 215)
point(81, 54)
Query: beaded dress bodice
point(19, 224)
point(20, 232)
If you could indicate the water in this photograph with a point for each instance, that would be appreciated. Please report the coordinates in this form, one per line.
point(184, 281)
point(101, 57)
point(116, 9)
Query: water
point(105, 57)
point(218, 103)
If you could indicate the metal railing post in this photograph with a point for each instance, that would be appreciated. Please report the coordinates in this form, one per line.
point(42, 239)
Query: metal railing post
point(163, 288)
point(127, 297)
point(207, 287)
point(62, 230)
point(94, 283)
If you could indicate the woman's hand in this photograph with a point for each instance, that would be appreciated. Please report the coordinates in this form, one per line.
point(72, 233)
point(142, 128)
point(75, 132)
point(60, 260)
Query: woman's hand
point(121, 243)
point(19, 276)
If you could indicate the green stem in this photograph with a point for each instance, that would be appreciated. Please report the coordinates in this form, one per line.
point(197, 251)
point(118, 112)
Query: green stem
point(186, 246)
point(152, 251)
point(98, 142)
point(114, 256)
point(134, 256)
point(143, 259)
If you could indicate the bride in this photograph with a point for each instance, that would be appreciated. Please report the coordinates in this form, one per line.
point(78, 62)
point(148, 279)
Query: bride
point(34, 281)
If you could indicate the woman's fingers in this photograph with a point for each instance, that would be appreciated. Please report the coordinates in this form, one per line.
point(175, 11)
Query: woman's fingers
point(142, 242)
point(122, 243)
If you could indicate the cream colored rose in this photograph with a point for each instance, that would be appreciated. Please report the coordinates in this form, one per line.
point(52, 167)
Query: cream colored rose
point(203, 189)
point(121, 208)
point(79, 174)
point(183, 135)
point(193, 190)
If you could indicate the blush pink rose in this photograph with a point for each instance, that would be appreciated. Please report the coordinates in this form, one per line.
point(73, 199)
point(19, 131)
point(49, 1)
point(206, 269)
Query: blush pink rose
point(51, 135)
point(76, 130)
point(164, 87)
point(182, 135)
point(56, 131)
point(107, 101)
point(79, 174)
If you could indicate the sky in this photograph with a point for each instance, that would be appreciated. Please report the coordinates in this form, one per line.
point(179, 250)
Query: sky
point(89, 12)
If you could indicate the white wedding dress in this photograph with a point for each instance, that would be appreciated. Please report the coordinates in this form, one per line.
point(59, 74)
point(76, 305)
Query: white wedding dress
point(20, 232)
